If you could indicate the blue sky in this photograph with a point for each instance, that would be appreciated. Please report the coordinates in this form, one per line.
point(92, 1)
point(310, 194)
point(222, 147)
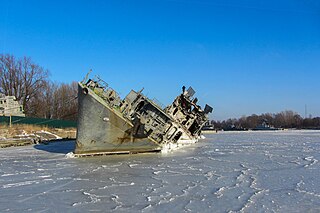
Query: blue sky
point(242, 57)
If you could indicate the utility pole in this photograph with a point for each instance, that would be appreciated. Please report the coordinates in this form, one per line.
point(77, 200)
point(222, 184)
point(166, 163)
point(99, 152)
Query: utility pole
point(10, 115)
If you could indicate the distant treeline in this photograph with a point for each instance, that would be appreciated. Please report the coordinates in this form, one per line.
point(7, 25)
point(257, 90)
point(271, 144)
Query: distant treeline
point(285, 119)
point(30, 84)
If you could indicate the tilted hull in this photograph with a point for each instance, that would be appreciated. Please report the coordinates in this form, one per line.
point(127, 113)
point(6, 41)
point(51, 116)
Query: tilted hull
point(111, 125)
point(102, 129)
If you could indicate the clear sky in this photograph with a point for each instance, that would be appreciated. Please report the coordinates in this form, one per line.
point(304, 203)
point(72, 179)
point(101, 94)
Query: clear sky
point(242, 57)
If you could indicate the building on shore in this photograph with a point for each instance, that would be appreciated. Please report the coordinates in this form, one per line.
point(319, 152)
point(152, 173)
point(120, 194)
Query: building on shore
point(9, 106)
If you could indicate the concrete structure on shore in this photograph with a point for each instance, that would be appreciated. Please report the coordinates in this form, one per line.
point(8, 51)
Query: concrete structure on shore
point(9, 106)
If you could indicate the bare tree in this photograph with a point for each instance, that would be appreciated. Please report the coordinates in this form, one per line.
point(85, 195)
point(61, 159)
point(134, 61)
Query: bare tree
point(29, 83)
point(21, 78)
point(65, 101)
point(55, 101)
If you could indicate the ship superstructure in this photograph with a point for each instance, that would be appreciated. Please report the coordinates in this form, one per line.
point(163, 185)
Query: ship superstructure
point(108, 124)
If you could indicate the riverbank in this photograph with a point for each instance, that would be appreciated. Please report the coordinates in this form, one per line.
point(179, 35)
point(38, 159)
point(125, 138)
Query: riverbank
point(23, 134)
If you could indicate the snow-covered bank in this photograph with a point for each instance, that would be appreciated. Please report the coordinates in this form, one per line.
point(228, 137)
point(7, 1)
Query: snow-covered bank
point(21, 135)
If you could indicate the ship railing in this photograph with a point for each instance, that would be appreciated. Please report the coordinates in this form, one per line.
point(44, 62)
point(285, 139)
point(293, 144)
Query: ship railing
point(105, 86)
point(157, 102)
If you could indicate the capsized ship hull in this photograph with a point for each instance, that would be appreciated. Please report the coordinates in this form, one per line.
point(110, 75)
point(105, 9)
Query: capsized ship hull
point(136, 124)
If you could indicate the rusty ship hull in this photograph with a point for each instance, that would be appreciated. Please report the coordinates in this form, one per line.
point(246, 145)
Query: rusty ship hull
point(102, 130)
point(108, 124)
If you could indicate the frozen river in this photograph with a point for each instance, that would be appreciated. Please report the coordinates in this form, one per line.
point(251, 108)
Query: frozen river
point(227, 172)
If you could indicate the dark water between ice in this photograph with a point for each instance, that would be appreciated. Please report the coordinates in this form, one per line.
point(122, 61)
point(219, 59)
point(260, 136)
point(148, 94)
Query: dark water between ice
point(227, 172)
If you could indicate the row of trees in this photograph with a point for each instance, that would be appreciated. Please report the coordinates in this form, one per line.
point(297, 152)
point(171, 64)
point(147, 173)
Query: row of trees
point(285, 119)
point(30, 84)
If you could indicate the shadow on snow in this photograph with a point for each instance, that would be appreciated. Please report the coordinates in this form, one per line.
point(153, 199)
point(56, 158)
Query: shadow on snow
point(63, 147)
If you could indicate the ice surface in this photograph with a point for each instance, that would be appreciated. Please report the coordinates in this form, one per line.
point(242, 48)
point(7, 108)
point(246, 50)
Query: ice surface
point(226, 172)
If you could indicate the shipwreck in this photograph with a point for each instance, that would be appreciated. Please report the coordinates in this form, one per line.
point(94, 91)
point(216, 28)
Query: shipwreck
point(108, 124)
